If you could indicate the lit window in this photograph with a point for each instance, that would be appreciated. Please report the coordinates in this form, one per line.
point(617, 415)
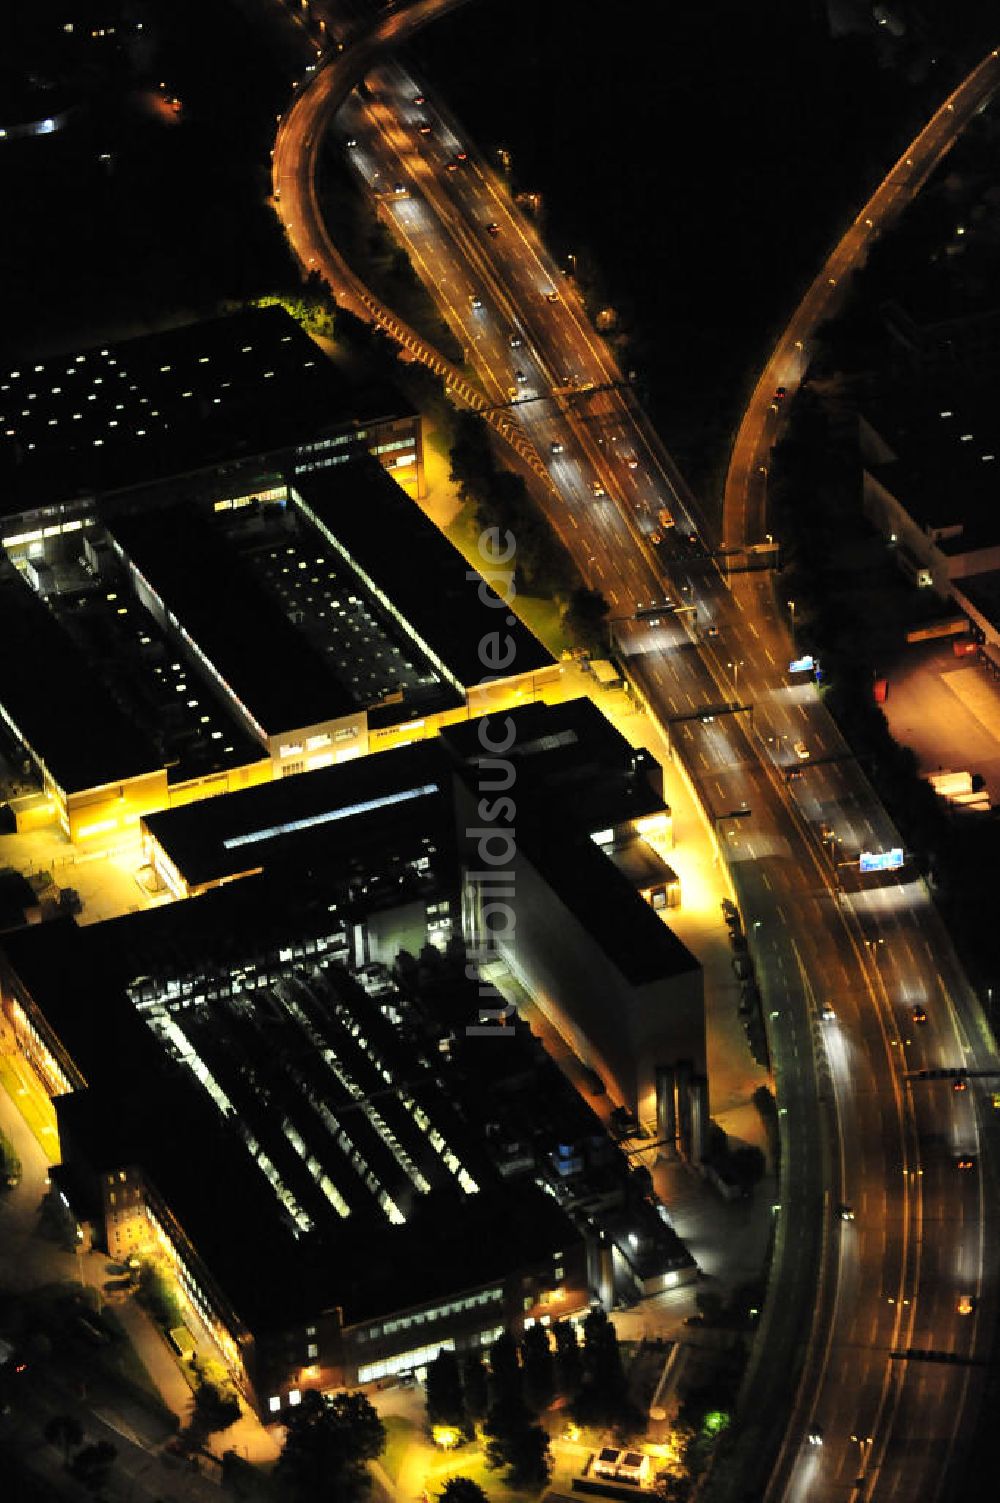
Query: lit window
point(274, 1403)
point(294, 1397)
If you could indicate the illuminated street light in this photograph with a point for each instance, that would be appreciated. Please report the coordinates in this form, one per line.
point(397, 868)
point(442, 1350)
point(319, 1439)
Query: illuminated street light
point(864, 1445)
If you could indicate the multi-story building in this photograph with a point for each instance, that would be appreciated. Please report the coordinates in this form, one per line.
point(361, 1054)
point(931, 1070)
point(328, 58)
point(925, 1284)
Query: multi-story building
point(241, 636)
point(556, 911)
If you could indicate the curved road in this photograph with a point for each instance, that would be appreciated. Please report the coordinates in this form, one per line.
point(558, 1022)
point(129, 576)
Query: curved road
point(892, 1278)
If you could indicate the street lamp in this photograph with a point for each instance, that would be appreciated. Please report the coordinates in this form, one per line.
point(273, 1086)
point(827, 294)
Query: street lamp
point(735, 667)
point(571, 258)
point(791, 608)
point(864, 1445)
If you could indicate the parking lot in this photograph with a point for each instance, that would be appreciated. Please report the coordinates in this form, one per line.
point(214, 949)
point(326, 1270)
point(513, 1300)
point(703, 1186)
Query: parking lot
point(947, 710)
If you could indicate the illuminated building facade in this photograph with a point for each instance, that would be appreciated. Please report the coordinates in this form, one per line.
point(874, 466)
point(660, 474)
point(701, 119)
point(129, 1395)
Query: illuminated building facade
point(222, 642)
point(603, 966)
point(356, 1172)
point(328, 1211)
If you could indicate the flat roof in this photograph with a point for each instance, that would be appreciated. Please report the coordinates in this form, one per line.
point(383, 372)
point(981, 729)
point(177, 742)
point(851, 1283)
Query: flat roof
point(283, 681)
point(57, 701)
point(572, 756)
point(378, 1208)
point(947, 439)
point(388, 540)
point(576, 775)
point(605, 904)
point(350, 810)
point(126, 414)
point(982, 591)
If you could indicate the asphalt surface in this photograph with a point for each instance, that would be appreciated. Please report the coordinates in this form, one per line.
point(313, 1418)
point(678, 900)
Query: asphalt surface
point(850, 1297)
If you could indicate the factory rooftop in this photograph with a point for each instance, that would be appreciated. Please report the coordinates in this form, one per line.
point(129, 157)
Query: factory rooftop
point(275, 674)
point(315, 1156)
point(402, 558)
point(947, 470)
point(571, 758)
point(58, 704)
point(123, 415)
point(371, 808)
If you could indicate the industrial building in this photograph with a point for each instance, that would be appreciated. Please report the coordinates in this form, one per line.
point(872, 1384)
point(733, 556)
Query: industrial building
point(355, 1174)
point(930, 481)
point(244, 639)
point(607, 971)
point(327, 1210)
point(250, 393)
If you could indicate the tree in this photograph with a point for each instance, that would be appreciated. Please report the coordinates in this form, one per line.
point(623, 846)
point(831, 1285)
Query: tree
point(569, 1364)
point(586, 619)
point(444, 1392)
point(521, 1447)
point(92, 1465)
point(748, 1164)
point(64, 1430)
point(505, 1373)
point(157, 1293)
point(603, 1396)
point(216, 1402)
point(328, 1441)
point(475, 1394)
point(462, 1490)
point(538, 1368)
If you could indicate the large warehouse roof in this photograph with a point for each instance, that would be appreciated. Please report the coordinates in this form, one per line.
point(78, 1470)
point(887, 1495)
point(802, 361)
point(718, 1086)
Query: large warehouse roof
point(393, 546)
point(57, 703)
point(125, 414)
point(270, 668)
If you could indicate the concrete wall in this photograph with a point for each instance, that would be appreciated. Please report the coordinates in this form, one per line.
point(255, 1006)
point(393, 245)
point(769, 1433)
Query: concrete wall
point(621, 1030)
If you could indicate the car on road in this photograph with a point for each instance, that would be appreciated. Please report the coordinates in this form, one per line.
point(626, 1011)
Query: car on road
point(555, 447)
point(815, 1436)
point(965, 1161)
point(493, 229)
point(552, 297)
point(597, 488)
point(655, 537)
point(845, 1212)
point(520, 378)
point(424, 128)
point(711, 631)
point(960, 1083)
point(707, 719)
point(451, 167)
point(801, 751)
point(461, 156)
point(966, 1304)
point(475, 301)
point(827, 1013)
point(664, 518)
point(419, 99)
point(919, 1014)
point(399, 188)
point(352, 141)
point(633, 464)
point(515, 341)
point(792, 774)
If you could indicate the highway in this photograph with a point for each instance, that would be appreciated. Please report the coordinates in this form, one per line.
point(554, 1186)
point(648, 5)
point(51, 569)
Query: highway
point(849, 1297)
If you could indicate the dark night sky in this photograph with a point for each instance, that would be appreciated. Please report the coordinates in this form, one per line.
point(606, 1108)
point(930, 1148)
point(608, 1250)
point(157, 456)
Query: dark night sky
point(705, 158)
point(704, 151)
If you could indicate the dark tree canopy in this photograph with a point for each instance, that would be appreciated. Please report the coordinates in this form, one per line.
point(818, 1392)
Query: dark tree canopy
point(327, 1444)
